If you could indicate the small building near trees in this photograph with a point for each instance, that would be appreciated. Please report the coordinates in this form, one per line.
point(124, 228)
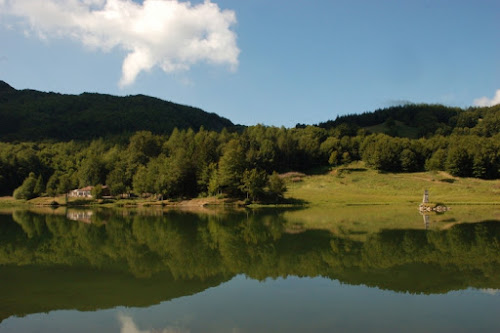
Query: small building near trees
point(86, 192)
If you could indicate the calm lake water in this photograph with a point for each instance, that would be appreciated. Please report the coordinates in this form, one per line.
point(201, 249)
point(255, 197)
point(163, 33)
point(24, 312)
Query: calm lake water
point(356, 269)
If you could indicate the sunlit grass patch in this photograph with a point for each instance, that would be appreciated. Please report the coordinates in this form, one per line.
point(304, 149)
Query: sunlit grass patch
point(355, 184)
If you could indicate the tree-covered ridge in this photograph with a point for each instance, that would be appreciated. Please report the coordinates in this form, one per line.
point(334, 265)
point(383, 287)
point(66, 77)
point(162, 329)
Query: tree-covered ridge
point(202, 247)
point(29, 115)
point(421, 120)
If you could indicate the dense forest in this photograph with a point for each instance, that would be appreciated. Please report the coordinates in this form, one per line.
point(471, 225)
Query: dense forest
point(189, 164)
point(30, 115)
point(200, 161)
point(420, 120)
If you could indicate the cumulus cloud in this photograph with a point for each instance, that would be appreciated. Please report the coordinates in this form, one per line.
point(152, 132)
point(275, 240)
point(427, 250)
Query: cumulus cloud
point(168, 34)
point(485, 101)
point(491, 291)
point(128, 326)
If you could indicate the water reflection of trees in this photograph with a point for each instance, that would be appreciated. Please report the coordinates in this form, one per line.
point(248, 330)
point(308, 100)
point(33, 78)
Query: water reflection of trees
point(190, 246)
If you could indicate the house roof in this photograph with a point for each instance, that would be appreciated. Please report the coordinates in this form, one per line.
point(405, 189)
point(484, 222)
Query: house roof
point(86, 188)
point(89, 188)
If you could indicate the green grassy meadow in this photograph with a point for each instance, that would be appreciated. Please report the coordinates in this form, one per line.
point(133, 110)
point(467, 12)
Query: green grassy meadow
point(358, 185)
point(355, 201)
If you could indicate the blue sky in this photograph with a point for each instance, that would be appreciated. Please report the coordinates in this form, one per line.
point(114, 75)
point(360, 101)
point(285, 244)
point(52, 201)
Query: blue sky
point(272, 62)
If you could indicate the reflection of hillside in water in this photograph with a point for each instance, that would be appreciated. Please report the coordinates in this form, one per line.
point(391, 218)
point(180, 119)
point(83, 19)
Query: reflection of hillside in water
point(195, 251)
point(34, 289)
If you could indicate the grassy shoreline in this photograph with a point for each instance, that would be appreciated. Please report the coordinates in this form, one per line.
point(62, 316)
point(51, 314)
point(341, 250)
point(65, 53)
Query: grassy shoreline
point(354, 185)
point(358, 185)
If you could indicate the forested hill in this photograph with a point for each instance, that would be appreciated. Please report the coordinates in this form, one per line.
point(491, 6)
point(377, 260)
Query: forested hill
point(30, 115)
point(420, 120)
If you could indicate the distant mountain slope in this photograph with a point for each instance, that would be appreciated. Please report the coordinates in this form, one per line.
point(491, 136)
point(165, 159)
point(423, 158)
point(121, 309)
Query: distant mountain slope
point(29, 115)
point(419, 120)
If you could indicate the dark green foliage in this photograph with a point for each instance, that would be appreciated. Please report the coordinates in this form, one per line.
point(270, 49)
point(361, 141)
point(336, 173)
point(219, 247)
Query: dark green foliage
point(65, 184)
point(27, 115)
point(382, 153)
point(459, 162)
point(409, 162)
point(334, 158)
point(177, 176)
point(143, 146)
point(27, 188)
point(253, 183)
point(231, 167)
point(276, 186)
point(213, 185)
point(91, 171)
point(52, 183)
point(117, 180)
point(437, 160)
point(39, 187)
point(207, 173)
point(426, 120)
point(142, 182)
point(188, 163)
point(97, 191)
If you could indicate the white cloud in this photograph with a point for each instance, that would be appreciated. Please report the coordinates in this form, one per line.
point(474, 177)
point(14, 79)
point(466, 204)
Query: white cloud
point(485, 101)
point(491, 291)
point(170, 34)
point(128, 326)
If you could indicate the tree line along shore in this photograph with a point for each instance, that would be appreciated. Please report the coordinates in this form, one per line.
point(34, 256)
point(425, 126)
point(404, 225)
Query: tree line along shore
point(248, 165)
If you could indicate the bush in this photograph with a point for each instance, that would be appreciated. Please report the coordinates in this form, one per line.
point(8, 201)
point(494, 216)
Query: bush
point(97, 192)
point(26, 190)
point(276, 186)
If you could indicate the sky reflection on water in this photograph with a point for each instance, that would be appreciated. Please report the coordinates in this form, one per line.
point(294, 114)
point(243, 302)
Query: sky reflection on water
point(290, 304)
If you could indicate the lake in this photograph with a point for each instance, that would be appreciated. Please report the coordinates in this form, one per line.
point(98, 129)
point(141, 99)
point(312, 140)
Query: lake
point(349, 269)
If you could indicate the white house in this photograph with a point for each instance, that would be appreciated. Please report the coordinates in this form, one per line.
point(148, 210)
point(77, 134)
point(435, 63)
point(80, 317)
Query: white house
point(84, 192)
